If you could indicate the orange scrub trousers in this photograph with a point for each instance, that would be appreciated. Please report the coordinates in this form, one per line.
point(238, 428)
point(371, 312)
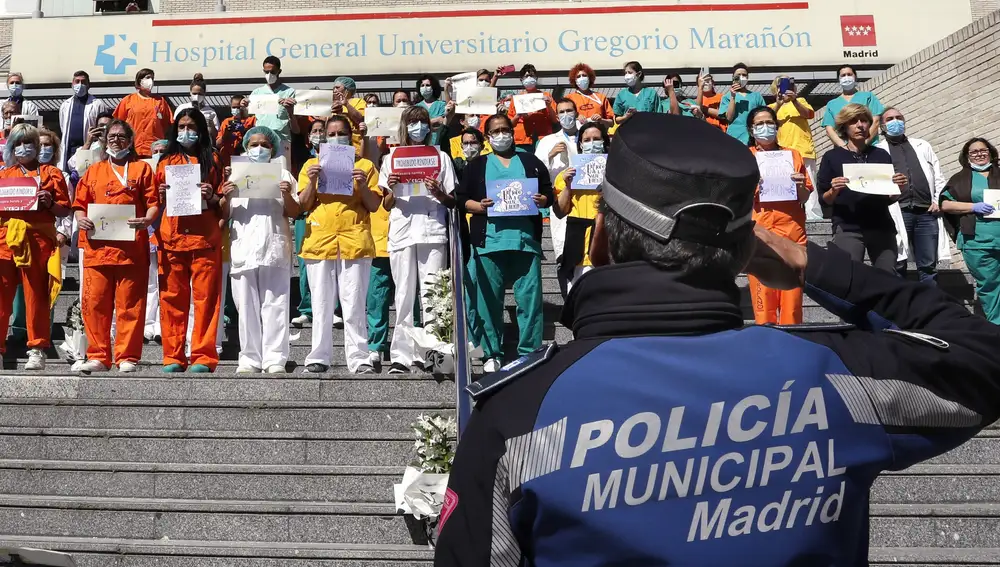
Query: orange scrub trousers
point(115, 273)
point(190, 259)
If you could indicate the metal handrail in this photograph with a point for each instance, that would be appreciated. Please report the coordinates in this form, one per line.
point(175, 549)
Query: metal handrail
point(460, 332)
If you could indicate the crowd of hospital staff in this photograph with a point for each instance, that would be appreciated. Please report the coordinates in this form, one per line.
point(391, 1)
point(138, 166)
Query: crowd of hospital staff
point(362, 252)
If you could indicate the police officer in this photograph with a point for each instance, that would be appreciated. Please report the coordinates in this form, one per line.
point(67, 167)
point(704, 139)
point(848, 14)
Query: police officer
point(667, 433)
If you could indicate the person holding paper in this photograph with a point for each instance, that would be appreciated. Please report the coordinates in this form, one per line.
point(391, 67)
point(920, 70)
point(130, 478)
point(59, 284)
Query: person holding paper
point(785, 218)
point(77, 116)
point(346, 104)
point(504, 250)
point(709, 101)
point(282, 123)
point(190, 251)
point(261, 261)
point(849, 84)
point(317, 137)
point(591, 106)
point(198, 90)
point(471, 146)
point(418, 234)
point(738, 102)
point(579, 208)
point(429, 89)
point(29, 254)
point(861, 222)
point(230, 139)
point(972, 219)
point(556, 152)
point(337, 251)
point(635, 97)
point(115, 271)
point(15, 88)
point(794, 133)
point(148, 114)
point(529, 128)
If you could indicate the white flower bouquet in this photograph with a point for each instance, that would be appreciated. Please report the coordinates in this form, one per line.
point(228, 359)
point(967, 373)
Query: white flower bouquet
point(421, 493)
point(435, 340)
point(75, 345)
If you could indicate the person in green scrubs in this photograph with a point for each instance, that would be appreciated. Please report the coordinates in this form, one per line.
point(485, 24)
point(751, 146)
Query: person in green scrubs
point(429, 91)
point(505, 250)
point(978, 237)
point(739, 102)
point(635, 98)
point(849, 84)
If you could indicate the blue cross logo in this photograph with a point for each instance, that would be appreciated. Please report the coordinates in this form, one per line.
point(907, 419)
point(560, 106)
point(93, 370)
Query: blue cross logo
point(116, 54)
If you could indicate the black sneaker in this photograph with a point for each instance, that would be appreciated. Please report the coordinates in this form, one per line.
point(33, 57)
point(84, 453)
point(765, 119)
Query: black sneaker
point(398, 368)
point(365, 369)
point(316, 368)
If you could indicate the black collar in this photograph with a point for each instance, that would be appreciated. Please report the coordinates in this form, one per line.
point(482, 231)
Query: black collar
point(638, 298)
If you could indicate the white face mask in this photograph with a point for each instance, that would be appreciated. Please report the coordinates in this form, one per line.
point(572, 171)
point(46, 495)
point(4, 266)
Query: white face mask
point(146, 84)
point(529, 82)
point(271, 78)
point(197, 98)
point(402, 104)
point(483, 83)
point(339, 140)
point(567, 120)
point(259, 154)
point(317, 139)
point(502, 142)
point(472, 121)
point(631, 79)
point(593, 147)
point(471, 150)
point(583, 83)
point(847, 82)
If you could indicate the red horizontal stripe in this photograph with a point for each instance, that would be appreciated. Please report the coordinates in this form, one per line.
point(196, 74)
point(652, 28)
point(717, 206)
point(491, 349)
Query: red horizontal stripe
point(754, 7)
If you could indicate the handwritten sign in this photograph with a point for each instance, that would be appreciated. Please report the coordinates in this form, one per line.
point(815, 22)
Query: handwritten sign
point(383, 120)
point(264, 104)
point(85, 158)
point(413, 163)
point(529, 103)
point(776, 170)
point(183, 192)
point(589, 170)
point(257, 180)
point(338, 169)
point(111, 222)
point(476, 100)
point(19, 194)
point(314, 103)
point(512, 197)
point(32, 119)
point(992, 197)
point(871, 178)
point(463, 81)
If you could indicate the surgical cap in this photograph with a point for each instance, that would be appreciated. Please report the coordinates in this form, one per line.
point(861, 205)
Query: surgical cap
point(159, 143)
point(348, 83)
point(271, 136)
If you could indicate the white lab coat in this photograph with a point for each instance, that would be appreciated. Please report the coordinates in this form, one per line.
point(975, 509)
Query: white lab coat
point(557, 226)
point(932, 170)
point(90, 111)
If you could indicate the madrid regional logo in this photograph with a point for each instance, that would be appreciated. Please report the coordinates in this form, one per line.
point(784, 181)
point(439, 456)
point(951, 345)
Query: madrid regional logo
point(116, 54)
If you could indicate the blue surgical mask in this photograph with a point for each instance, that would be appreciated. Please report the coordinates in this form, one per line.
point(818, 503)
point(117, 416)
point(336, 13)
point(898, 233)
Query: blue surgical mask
point(187, 138)
point(80, 89)
point(339, 140)
point(317, 139)
point(120, 154)
point(583, 83)
point(529, 82)
point(765, 132)
point(15, 90)
point(472, 121)
point(237, 112)
point(567, 120)
point(593, 147)
point(45, 154)
point(982, 167)
point(418, 131)
point(259, 154)
point(25, 151)
point(895, 128)
point(847, 82)
point(502, 142)
point(426, 91)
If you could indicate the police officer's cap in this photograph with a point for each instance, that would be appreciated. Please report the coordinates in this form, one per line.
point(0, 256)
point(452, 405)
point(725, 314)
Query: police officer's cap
point(675, 177)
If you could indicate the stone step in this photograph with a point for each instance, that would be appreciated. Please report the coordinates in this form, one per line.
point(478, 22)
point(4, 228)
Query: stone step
point(933, 557)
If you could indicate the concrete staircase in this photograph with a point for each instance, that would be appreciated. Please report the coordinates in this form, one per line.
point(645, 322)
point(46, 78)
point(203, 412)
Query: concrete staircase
point(151, 470)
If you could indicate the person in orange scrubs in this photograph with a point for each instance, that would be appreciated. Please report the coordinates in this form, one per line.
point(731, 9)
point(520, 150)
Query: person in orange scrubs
point(29, 254)
point(149, 115)
point(591, 106)
point(190, 254)
point(785, 217)
point(529, 128)
point(115, 271)
point(229, 141)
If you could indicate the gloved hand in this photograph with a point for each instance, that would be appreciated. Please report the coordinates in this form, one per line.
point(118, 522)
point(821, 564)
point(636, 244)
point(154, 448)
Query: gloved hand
point(982, 209)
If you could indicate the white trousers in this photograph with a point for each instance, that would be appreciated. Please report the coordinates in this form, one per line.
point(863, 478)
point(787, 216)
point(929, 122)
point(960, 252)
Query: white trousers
point(577, 272)
point(221, 334)
point(348, 281)
point(262, 297)
point(411, 267)
point(813, 209)
point(152, 326)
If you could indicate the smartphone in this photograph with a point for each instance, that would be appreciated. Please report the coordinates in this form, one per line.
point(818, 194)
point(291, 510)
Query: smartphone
point(705, 71)
point(784, 85)
point(506, 69)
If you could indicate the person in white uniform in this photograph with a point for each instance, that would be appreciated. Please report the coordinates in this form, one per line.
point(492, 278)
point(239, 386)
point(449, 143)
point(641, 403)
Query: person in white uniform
point(199, 90)
point(261, 261)
point(418, 235)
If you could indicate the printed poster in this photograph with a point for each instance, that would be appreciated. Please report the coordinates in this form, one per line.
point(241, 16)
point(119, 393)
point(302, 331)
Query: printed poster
point(111, 222)
point(383, 120)
point(871, 178)
point(314, 103)
point(183, 192)
point(257, 180)
point(19, 194)
point(512, 197)
point(776, 170)
point(476, 100)
point(265, 104)
point(415, 163)
point(589, 170)
point(337, 177)
point(529, 103)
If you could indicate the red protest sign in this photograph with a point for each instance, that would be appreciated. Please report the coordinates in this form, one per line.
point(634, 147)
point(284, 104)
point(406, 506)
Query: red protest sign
point(19, 194)
point(413, 163)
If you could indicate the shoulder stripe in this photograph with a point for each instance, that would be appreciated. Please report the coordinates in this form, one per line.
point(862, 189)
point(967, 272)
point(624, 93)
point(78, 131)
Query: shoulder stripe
point(899, 403)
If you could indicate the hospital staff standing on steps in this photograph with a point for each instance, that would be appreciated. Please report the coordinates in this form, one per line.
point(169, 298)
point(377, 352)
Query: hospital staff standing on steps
point(148, 114)
point(556, 152)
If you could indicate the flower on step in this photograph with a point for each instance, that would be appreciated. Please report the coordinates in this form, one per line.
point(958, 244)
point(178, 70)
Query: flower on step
point(74, 316)
point(434, 442)
point(439, 305)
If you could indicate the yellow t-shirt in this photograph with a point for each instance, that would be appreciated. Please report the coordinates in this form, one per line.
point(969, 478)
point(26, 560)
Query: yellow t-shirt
point(380, 231)
point(793, 129)
point(360, 105)
point(339, 224)
point(584, 206)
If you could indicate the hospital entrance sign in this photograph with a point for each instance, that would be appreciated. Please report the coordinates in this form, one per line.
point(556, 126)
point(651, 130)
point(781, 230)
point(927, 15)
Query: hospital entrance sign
point(674, 34)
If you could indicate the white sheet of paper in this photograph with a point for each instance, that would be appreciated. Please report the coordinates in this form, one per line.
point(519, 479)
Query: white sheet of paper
point(314, 103)
point(263, 104)
point(871, 178)
point(528, 103)
point(476, 100)
point(462, 81)
point(32, 119)
point(153, 161)
point(776, 170)
point(86, 158)
point(338, 169)
point(257, 180)
point(992, 196)
point(111, 222)
point(383, 120)
point(183, 192)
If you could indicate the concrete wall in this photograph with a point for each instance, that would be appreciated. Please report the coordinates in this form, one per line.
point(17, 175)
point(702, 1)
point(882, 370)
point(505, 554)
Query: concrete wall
point(981, 8)
point(947, 92)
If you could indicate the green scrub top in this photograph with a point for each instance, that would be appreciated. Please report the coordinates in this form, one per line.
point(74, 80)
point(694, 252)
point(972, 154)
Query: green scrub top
point(745, 103)
point(508, 233)
point(866, 99)
point(646, 100)
point(281, 122)
point(436, 109)
point(987, 230)
point(687, 105)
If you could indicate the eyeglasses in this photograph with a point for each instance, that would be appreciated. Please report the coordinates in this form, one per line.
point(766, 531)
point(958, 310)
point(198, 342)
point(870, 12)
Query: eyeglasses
point(979, 153)
point(117, 137)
